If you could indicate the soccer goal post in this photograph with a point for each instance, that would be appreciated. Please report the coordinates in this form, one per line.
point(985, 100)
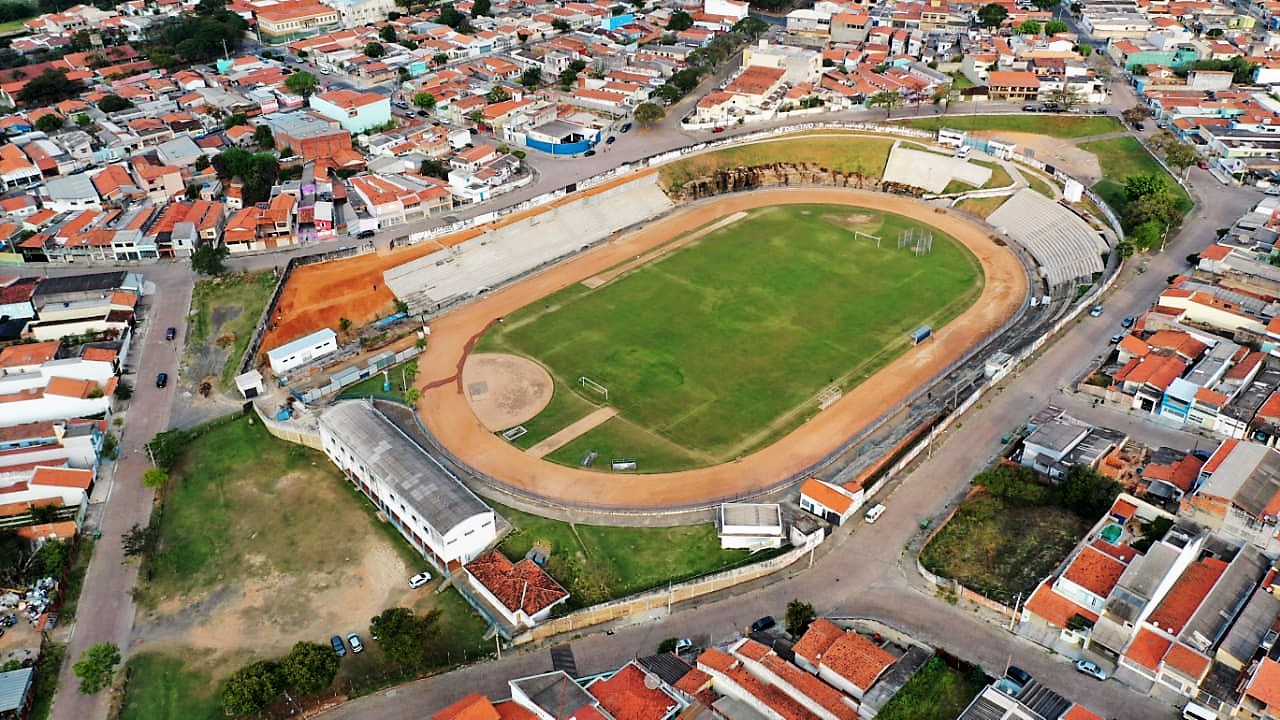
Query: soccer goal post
point(859, 234)
point(589, 384)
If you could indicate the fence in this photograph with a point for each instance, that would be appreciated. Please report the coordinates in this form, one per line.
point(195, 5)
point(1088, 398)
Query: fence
point(342, 378)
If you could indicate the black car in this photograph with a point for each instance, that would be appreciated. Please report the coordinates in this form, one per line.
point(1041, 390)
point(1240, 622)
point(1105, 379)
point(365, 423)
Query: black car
point(626, 127)
point(1139, 126)
point(1018, 675)
point(610, 140)
point(364, 234)
point(763, 624)
point(1031, 108)
point(162, 380)
point(589, 153)
point(170, 334)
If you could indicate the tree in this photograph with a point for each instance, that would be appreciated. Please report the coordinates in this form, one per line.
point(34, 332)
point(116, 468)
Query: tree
point(404, 637)
point(561, 24)
point(424, 100)
point(434, 168)
point(1030, 27)
point(497, 94)
point(50, 86)
point(1135, 114)
point(1065, 97)
point(439, 59)
point(83, 120)
point(263, 136)
point(1053, 27)
point(235, 119)
point(166, 447)
point(887, 99)
point(649, 113)
point(96, 667)
point(301, 83)
point(1086, 493)
point(387, 33)
point(1046, 4)
point(992, 16)
point(567, 78)
point(750, 27)
point(1138, 186)
point(210, 260)
point(481, 7)
point(50, 122)
point(799, 616)
point(344, 325)
point(1180, 156)
point(680, 20)
point(252, 688)
point(155, 478)
point(531, 76)
point(1085, 51)
point(202, 163)
point(374, 50)
point(137, 540)
point(309, 667)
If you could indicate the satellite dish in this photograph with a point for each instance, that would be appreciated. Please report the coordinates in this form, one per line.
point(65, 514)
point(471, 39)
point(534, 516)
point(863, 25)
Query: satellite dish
point(651, 681)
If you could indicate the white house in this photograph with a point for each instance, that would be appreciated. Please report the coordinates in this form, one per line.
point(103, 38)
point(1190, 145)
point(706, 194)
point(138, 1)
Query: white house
point(430, 507)
point(750, 526)
point(521, 593)
point(355, 111)
point(832, 503)
point(302, 351)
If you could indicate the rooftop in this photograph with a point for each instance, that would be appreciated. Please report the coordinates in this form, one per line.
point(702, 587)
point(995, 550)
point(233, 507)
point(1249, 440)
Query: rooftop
point(518, 586)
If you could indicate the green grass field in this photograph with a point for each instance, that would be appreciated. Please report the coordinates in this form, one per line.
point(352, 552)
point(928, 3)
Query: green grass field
point(770, 310)
point(842, 152)
point(163, 686)
point(224, 313)
point(1060, 126)
point(1122, 157)
point(935, 692)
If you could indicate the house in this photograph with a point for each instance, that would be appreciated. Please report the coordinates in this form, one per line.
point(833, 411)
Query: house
point(1239, 493)
point(753, 674)
point(302, 351)
point(750, 526)
point(1013, 85)
point(311, 137)
point(832, 503)
point(632, 694)
point(843, 658)
point(374, 445)
point(799, 65)
point(521, 593)
point(292, 19)
point(355, 111)
point(16, 691)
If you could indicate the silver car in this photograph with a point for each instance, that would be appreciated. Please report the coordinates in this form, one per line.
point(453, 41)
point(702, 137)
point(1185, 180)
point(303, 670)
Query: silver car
point(1091, 669)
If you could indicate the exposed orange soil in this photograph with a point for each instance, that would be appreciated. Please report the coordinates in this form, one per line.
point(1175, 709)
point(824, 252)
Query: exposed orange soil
point(445, 411)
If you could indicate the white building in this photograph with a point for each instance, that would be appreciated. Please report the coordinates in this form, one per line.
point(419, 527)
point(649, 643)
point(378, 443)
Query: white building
point(430, 507)
point(355, 13)
point(750, 526)
point(302, 351)
point(801, 64)
point(522, 594)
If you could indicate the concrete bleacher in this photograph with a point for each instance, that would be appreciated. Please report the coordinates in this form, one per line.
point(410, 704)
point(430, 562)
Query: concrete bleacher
point(1065, 247)
point(489, 260)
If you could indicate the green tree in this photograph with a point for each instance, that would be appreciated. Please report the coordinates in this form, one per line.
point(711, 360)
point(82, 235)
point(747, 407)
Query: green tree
point(387, 33)
point(799, 616)
point(96, 667)
point(561, 24)
point(481, 7)
point(424, 100)
point(439, 59)
point(374, 50)
point(50, 122)
point(531, 76)
point(434, 168)
point(209, 259)
point(1030, 27)
point(403, 636)
point(233, 120)
point(1086, 493)
point(263, 136)
point(167, 447)
point(497, 94)
point(649, 113)
point(1067, 98)
point(1137, 186)
point(155, 478)
point(301, 83)
point(992, 16)
point(886, 99)
point(1053, 27)
point(252, 688)
point(1180, 156)
point(680, 20)
point(1160, 208)
point(309, 667)
point(48, 87)
point(750, 27)
point(567, 78)
point(1046, 4)
point(83, 120)
point(1135, 114)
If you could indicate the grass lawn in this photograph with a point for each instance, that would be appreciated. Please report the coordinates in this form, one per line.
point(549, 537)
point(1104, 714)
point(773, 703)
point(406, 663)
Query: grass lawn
point(1038, 184)
point(772, 309)
point(224, 313)
point(46, 680)
point(999, 178)
point(1122, 157)
point(372, 385)
point(935, 692)
point(167, 686)
point(75, 578)
point(959, 81)
point(981, 207)
point(621, 438)
point(12, 27)
point(597, 563)
point(1000, 550)
point(1060, 126)
point(840, 152)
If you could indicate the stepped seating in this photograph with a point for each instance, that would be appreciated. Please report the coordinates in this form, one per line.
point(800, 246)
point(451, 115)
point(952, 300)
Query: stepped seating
point(1065, 247)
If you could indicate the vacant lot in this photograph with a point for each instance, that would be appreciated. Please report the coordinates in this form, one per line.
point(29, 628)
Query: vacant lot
point(164, 686)
point(262, 543)
point(935, 692)
point(770, 310)
point(224, 313)
point(1122, 157)
point(842, 152)
point(1060, 126)
point(596, 563)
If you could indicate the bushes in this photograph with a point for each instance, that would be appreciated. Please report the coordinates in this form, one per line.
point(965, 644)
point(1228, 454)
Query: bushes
point(1083, 492)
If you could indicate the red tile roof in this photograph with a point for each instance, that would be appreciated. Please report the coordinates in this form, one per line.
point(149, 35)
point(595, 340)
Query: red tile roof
point(29, 353)
point(827, 496)
point(1187, 594)
point(511, 710)
point(822, 633)
point(472, 707)
point(717, 660)
point(1187, 661)
point(831, 699)
point(1055, 609)
point(27, 431)
point(857, 659)
point(1147, 649)
point(518, 586)
point(63, 477)
point(1080, 712)
point(693, 682)
point(626, 696)
point(1095, 571)
point(1265, 683)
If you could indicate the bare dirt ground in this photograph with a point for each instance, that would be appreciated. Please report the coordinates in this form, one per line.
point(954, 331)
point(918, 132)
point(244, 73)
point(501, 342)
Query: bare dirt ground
point(1081, 164)
point(505, 390)
point(444, 408)
point(571, 432)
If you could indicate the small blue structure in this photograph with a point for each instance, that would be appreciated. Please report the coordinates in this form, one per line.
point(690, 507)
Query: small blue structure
point(920, 334)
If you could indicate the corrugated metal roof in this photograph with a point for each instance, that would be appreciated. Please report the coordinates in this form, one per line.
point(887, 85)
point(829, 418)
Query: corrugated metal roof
point(14, 686)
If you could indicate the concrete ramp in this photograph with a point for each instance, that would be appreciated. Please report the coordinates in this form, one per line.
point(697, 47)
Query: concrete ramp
point(932, 171)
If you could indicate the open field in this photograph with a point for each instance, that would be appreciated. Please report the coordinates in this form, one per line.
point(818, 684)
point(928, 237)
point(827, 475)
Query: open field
point(1122, 157)
point(784, 277)
point(446, 412)
point(1001, 550)
point(981, 207)
point(597, 563)
point(1059, 126)
point(842, 152)
point(224, 313)
point(935, 692)
point(372, 385)
point(165, 686)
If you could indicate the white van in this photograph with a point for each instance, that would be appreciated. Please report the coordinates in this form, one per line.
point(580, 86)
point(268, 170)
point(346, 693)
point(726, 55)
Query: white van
point(874, 513)
point(1198, 712)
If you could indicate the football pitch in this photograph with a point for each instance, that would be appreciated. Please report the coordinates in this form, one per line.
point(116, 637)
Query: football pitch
point(723, 345)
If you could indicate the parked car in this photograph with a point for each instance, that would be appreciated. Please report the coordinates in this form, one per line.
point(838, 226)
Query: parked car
point(718, 129)
point(324, 71)
point(1139, 126)
point(1030, 107)
point(589, 153)
point(1095, 311)
point(1117, 338)
point(364, 234)
point(1018, 675)
point(610, 140)
point(1128, 322)
point(162, 380)
point(626, 127)
point(354, 641)
point(684, 645)
point(1202, 165)
point(763, 624)
point(170, 334)
point(874, 513)
point(338, 647)
point(1098, 111)
point(1091, 669)
point(419, 580)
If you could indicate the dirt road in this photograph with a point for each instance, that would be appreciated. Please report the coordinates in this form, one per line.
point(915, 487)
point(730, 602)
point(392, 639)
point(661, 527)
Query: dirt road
point(444, 408)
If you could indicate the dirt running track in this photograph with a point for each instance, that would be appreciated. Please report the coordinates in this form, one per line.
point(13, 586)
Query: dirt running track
point(444, 409)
